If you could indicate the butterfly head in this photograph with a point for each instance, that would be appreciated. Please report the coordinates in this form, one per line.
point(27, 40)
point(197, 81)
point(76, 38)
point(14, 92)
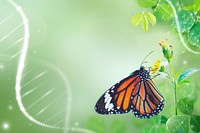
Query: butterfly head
point(144, 74)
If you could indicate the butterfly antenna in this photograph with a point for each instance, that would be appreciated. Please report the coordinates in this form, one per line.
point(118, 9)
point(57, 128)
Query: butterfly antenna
point(143, 61)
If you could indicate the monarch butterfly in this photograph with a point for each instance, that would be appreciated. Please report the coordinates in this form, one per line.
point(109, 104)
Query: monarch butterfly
point(137, 92)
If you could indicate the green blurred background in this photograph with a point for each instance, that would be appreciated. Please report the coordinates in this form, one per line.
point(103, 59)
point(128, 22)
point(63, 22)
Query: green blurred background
point(95, 46)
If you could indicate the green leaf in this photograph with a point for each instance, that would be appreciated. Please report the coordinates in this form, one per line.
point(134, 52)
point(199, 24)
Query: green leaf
point(186, 20)
point(194, 35)
point(163, 13)
point(97, 125)
point(185, 106)
point(196, 5)
point(184, 82)
point(158, 119)
point(145, 23)
point(195, 123)
point(136, 19)
point(187, 73)
point(151, 18)
point(118, 127)
point(144, 18)
point(162, 69)
point(147, 3)
point(163, 120)
point(155, 129)
point(178, 124)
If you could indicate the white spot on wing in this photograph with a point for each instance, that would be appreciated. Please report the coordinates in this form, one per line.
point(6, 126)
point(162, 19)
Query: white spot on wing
point(108, 103)
point(107, 96)
point(110, 107)
point(112, 87)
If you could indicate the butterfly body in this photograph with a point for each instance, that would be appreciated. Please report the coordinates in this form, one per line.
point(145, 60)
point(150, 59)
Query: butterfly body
point(137, 92)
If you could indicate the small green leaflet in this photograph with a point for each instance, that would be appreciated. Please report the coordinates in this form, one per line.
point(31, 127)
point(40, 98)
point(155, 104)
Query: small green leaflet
point(143, 18)
point(187, 73)
point(145, 23)
point(136, 19)
point(151, 18)
point(147, 3)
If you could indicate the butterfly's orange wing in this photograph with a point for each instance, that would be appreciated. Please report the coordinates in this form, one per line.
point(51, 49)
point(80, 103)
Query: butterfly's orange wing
point(147, 100)
point(136, 92)
point(116, 100)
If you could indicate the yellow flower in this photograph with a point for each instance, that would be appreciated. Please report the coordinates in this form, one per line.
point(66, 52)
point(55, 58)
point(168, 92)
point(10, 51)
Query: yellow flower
point(155, 67)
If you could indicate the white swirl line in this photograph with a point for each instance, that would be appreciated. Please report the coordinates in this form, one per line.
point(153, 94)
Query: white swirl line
point(21, 66)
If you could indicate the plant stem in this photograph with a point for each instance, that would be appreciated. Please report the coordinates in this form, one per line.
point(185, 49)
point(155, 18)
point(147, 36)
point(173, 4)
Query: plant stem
point(175, 99)
point(174, 87)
